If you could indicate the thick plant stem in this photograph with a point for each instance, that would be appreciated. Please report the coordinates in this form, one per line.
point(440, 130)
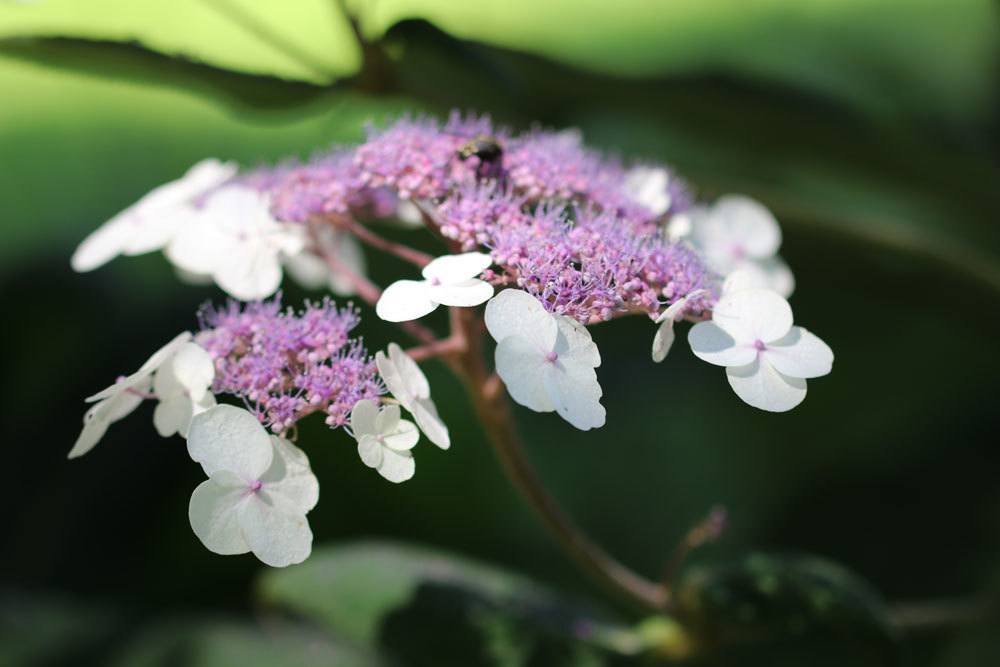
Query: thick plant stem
point(493, 409)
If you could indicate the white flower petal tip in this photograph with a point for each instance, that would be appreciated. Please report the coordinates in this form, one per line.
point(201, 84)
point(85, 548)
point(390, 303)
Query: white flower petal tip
point(546, 361)
point(234, 239)
point(649, 187)
point(259, 490)
point(450, 280)
point(767, 359)
point(740, 234)
point(408, 385)
point(664, 337)
point(152, 222)
point(384, 440)
point(116, 402)
point(181, 386)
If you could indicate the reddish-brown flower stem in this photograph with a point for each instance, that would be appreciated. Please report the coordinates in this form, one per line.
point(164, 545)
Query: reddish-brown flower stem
point(365, 235)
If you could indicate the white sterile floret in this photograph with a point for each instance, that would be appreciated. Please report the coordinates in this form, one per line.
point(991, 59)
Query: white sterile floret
point(663, 340)
point(547, 361)
point(151, 222)
point(649, 186)
point(384, 440)
point(236, 240)
point(738, 233)
point(408, 385)
point(259, 490)
point(309, 269)
point(120, 399)
point(450, 280)
point(767, 359)
point(181, 386)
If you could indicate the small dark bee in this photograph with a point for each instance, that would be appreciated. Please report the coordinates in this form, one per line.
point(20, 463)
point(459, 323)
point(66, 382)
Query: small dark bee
point(483, 147)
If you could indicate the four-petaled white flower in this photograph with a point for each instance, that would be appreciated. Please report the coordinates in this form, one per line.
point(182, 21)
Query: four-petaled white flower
point(767, 359)
point(649, 186)
point(663, 340)
point(181, 387)
point(738, 233)
point(408, 385)
point(152, 222)
point(547, 361)
point(384, 440)
point(120, 399)
point(309, 269)
point(237, 241)
point(259, 489)
point(449, 280)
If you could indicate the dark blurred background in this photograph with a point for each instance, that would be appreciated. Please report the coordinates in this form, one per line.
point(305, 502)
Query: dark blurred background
point(869, 128)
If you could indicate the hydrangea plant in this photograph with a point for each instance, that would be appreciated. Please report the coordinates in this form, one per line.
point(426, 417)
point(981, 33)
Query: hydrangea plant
point(542, 238)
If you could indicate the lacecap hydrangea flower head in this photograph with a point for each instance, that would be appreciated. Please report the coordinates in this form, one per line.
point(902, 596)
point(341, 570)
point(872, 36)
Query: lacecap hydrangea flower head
point(541, 236)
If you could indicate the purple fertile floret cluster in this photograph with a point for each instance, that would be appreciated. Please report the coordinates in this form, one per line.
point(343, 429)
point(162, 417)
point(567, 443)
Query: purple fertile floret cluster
point(287, 364)
point(556, 216)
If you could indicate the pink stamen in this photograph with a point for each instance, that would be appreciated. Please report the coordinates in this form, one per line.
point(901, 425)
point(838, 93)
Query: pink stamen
point(551, 357)
point(759, 345)
point(256, 485)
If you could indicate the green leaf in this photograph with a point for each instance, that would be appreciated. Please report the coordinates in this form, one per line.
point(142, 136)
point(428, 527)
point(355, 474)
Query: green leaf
point(216, 642)
point(415, 602)
point(303, 40)
point(764, 603)
point(879, 56)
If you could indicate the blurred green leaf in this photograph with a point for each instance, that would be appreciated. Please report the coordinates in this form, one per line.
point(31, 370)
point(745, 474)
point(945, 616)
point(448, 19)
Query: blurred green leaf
point(919, 57)
point(303, 40)
point(36, 629)
point(212, 642)
point(432, 607)
point(765, 602)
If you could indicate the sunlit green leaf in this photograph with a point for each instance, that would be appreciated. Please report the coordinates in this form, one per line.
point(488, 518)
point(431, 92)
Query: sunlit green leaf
point(305, 40)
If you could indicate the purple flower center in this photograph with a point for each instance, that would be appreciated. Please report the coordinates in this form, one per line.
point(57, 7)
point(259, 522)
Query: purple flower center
point(435, 281)
point(256, 486)
point(759, 345)
point(551, 357)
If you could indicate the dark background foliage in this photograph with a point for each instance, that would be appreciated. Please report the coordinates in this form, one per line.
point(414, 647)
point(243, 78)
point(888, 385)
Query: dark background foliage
point(870, 132)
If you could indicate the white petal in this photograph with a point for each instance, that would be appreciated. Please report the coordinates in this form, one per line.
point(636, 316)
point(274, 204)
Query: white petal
point(290, 477)
point(251, 272)
point(214, 514)
point(413, 379)
point(397, 466)
point(777, 275)
point(679, 227)
point(571, 380)
point(147, 369)
point(405, 300)
point(514, 312)
point(231, 439)
point(207, 402)
point(100, 247)
point(769, 274)
point(199, 246)
point(466, 293)
point(349, 255)
point(711, 343)
point(94, 429)
point(574, 343)
point(408, 213)
point(387, 419)
point(370, 451)
point(749, 224)
point(276, 535)
point(153, 228)
point(648, 186)
point(363, 416)
point(194, 370)
point(456, 268)
point(800, 354)
point(403, 436)
point(760, 386)
point(753, 315)
point(519, 364)
point(663, 340)
point(172, 415)
point(426, 414)
point(393, 380)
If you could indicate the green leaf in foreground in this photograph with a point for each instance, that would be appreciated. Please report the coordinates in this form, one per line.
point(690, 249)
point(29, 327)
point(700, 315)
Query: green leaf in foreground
point(303, 40)
point(432, 607)
point(783, 606)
